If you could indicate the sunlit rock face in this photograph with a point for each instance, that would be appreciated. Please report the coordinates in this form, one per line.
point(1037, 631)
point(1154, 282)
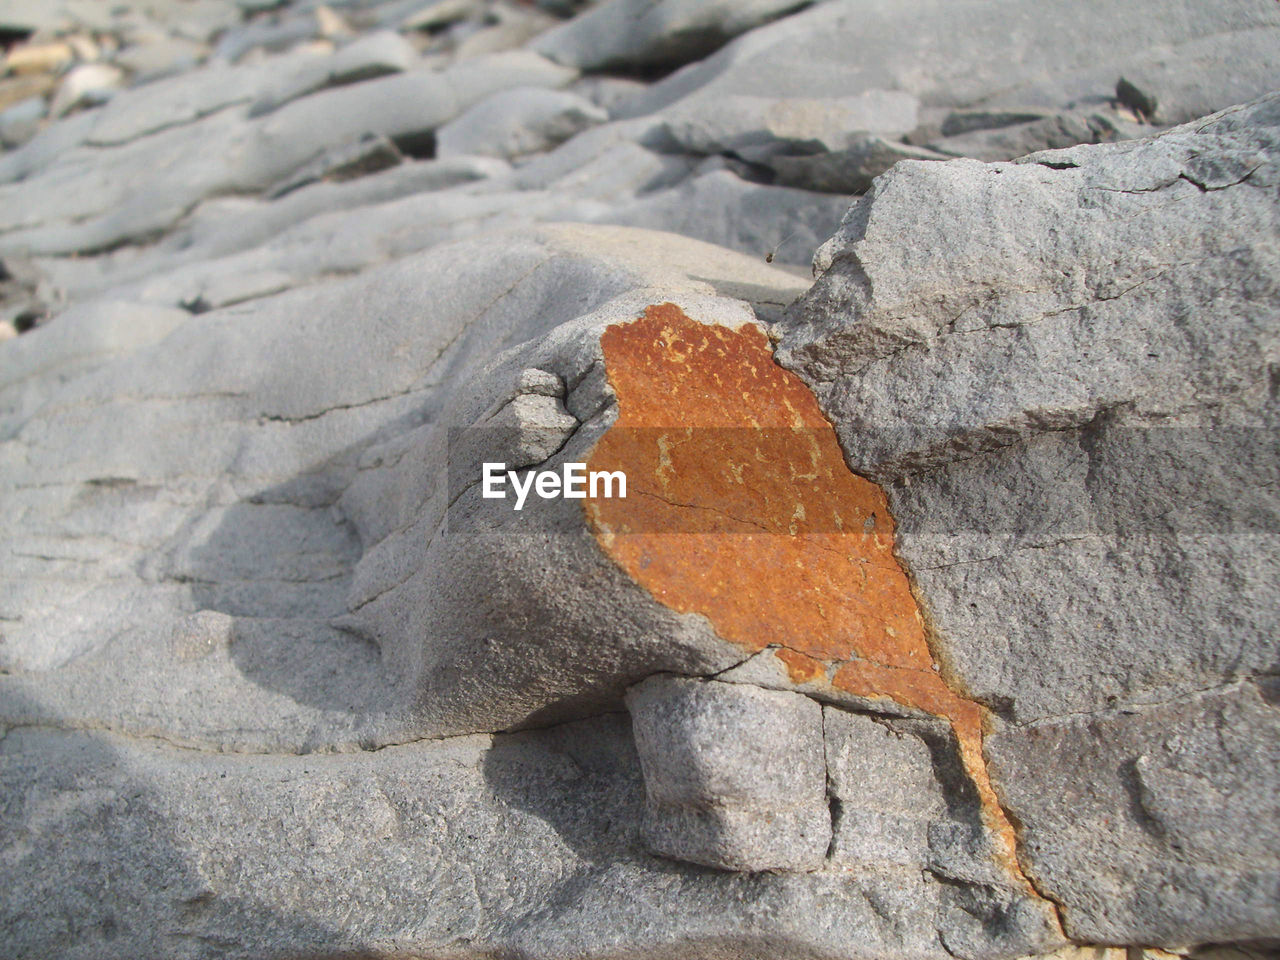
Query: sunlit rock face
point(937, 619)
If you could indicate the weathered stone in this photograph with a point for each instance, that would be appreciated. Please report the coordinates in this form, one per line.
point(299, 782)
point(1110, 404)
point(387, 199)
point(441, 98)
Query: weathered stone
point(1060, 379)
point(15, 90)
point(759, 128)
point(641, 33)
point(159, 58)
point(369, 155)
point(734, 775)
point(39, 58)
point(849, 170)
point(1004, 522)
point(1010, 141)
point(88, 85)
point(19, 123)
point(517, 122)
point(1158, 824)
point(147, 184)
point(720, 207)
point(374, 55)
point(1201, 58)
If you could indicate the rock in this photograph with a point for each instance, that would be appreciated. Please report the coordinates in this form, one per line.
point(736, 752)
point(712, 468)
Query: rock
point(374, 55)
point(759, 128)
point(900, 795)
point(426, 14)
point(84, 47)
point(1169, 785)
point(369, 155)
point(512, 27)
point(261, 35)
point(146, 185)
point(1059, 378)
point(228, 225)
point(734, 776)
point(182, 100)
point(87, 85)
point(19, 123)
point(39, 58)
point(632, 34)
point(1202, 58)
point(1008, 142)
point(159, 58)
point(278, 552)
point(846, 171)
point(607, 93)
point(516, 122)
point(942, 599)
point(720, 207)
point(15, 90)
point(1139, 101)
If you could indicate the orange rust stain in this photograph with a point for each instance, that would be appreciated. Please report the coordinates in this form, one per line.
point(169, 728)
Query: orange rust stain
point(740, 507)
point(802, 668)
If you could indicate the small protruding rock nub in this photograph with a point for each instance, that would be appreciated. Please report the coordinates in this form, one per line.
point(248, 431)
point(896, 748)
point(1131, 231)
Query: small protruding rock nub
point(735, 776)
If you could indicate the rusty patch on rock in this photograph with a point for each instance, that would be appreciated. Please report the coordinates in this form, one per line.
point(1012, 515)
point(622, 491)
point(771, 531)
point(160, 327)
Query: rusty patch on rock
point(790, 549)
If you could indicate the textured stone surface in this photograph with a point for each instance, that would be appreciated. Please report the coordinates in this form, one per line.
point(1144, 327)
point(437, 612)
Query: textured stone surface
point(1064, 382)
point(735, 777)
point(963, 616)
point(999, 55)
point(518, 122)
point(644, 33)
point(1160, 824)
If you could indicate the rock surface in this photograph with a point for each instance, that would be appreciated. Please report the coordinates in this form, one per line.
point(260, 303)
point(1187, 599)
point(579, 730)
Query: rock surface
point(937, 621)
point(1063, 384)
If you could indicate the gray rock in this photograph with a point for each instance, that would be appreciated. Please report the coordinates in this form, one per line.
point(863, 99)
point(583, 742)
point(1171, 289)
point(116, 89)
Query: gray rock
point(369, 155)
point(118, 510)
point(1194, 58)
point(425, 14)
point(607, 93)
point(526, 844)
point(506, 27)
point(643, 33)
point(374, 55)
point(95, 199)
point(759, 128)
point(720, 207)
point(734, 775)
point(1060, 379)
point(224, 225)
point(158, 58)
point(255, 35)
point(1060, 130)
point(19, 123)
point(900, 795)
point(849, 170)
point(1162, 825)
point(517, 122)
point(88, 85)
point(181, 100)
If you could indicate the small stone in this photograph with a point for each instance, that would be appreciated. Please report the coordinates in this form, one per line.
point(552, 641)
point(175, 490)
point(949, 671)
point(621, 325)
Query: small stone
point(39, 58)
point(17, 89)
point(735, 776)
point(1140, 101)
point(847, 171)
point(370, 155)
point(87, 85)
point(19, 123)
